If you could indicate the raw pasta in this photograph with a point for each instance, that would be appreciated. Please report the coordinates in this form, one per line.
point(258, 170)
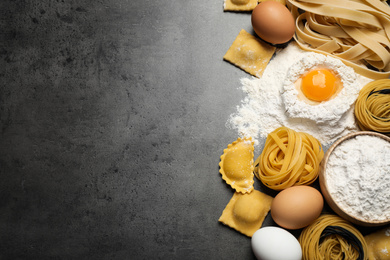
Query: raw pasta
point(246, 212)
point(372, 108)
point(331, 237)
point(289, 158)
point(236, 165)
point(250, 53)
point(355, 31)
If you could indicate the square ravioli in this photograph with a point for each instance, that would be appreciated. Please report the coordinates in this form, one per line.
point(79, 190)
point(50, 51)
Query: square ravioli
point(283, 2)
point(239, 5)
point(250, 53)
point(246, 212)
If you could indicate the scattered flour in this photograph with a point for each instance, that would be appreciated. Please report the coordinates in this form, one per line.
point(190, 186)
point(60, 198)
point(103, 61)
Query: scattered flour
point(358, 177)
point(263, 109)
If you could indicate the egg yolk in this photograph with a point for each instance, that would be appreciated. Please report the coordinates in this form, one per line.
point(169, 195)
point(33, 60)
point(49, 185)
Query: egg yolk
point(319, 84)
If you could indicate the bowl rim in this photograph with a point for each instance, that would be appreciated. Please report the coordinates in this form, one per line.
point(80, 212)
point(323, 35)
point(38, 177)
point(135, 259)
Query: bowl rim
point(324, 184)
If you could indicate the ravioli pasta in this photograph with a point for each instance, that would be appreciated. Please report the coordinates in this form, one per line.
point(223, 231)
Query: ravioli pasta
point(289, 158)
point(372, 107)
point(355, 31)
point(239, 5)
point(331, 237)
point(246, 212)
point(249, 53)
point(236, 165)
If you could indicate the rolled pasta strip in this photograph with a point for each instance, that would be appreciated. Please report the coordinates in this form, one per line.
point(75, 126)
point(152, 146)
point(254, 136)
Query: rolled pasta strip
point(289, 158)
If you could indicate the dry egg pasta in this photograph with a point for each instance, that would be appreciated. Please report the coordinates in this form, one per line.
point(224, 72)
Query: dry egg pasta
point(246, 212)
point(331, 237)
point(289, 158)
point(355, 31)
point(372, 108)
point(236, 165)
point(249, 53)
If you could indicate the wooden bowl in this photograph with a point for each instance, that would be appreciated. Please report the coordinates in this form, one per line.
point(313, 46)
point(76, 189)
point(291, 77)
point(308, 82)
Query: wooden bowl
point(324, 188)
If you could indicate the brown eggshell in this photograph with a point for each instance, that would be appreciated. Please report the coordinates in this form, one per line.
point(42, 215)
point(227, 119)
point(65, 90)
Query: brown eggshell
point(273, 22)
point(296, 207)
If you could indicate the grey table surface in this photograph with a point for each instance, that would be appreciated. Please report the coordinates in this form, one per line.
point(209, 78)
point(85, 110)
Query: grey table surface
point(112, 121)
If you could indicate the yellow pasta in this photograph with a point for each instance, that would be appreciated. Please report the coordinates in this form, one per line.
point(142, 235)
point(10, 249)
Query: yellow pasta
point(378, 244)
point(372, 107)
point(246, 212)
point(236, 165)
point(289, 158)
point(331, 237)
point(355, 31)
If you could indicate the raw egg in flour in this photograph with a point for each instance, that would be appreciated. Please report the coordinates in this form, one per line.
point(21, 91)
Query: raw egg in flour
point(320, 88)
point(273, 22)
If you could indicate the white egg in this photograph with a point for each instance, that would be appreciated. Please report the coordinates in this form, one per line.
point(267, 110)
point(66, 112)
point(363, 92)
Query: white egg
point(274, 243)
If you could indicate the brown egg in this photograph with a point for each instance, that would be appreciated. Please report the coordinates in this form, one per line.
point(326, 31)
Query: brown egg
point(273, 22)
point(296, 207)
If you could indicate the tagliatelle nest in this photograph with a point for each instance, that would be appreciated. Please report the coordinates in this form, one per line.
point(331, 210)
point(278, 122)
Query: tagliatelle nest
point(355, 31)
point(289, 158)
point(372, 107)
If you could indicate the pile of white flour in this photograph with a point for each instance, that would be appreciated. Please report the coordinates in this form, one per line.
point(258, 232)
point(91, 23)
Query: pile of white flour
point(263, 109)
point(358, 177)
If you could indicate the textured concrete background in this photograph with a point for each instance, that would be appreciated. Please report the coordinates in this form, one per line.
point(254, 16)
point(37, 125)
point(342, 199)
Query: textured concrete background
point(112, 123)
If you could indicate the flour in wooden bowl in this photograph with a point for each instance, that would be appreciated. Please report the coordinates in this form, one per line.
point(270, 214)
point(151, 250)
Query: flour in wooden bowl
point(358, 177)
